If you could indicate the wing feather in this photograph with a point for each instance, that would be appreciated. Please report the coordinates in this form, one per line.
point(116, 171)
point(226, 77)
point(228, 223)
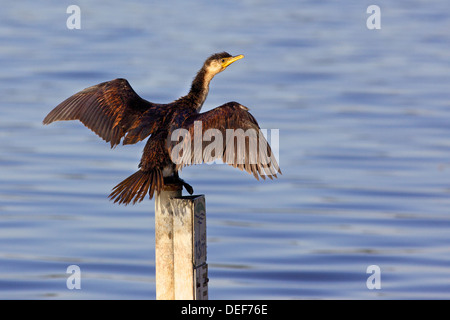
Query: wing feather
point(111, 109)
point(237, 149)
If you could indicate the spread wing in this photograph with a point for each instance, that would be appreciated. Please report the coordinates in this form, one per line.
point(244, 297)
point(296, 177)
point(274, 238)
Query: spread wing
point(111, 109)
point(229, 133)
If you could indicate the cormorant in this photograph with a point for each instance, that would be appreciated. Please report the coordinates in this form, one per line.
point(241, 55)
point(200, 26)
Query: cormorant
point(114, 111)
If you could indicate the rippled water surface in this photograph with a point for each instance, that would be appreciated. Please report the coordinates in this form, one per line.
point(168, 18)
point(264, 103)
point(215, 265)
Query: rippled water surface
point(364, 126)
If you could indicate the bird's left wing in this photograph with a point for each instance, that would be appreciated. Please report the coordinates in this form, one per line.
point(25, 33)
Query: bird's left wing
point(111, 109)
point(229, 133)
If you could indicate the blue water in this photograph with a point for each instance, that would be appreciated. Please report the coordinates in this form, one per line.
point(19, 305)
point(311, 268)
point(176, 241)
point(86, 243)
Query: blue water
point(364, 126)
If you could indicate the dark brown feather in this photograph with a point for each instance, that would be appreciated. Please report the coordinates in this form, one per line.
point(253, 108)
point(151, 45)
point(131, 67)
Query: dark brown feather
point(231, 115)
point(135, 187)
point(110, 109)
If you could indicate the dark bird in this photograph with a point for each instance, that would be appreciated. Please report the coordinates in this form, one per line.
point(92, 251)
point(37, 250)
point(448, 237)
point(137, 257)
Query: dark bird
point(113, 110)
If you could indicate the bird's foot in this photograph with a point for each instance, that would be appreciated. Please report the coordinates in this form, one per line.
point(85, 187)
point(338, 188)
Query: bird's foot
point(178, 181)
point(188, 187)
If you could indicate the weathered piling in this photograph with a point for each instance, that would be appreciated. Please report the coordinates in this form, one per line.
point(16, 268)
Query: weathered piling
point(180, 246)
point(164, 258)
point(189, 239)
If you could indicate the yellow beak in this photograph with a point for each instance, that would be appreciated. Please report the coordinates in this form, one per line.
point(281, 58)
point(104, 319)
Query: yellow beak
point(230, 60)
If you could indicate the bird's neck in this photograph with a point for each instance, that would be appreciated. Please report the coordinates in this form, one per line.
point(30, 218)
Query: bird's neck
point(200, 88)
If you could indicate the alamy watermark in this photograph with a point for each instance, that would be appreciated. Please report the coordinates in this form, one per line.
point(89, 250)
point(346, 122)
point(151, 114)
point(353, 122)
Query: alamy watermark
point(74, 280)
point(237, 147)
point(374, 20)
point(74, 20)
point(374, 280)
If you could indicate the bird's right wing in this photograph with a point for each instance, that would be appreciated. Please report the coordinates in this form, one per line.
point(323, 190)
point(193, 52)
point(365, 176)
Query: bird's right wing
point(111, 109)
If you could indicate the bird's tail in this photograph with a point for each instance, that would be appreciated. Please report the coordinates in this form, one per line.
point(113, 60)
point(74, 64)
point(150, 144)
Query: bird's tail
point(135, 187)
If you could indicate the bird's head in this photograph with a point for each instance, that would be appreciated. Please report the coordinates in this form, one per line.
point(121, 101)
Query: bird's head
point(219, 62)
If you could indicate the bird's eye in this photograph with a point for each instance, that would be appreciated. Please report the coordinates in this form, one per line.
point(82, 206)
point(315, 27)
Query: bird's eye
point(223, 60)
